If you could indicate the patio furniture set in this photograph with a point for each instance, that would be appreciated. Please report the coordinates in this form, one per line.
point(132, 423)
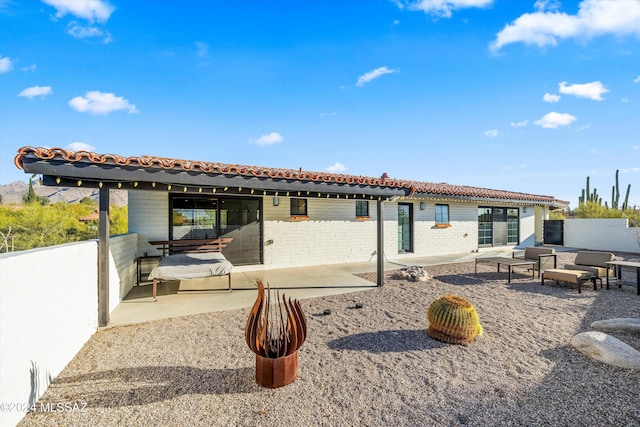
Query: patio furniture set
point(588, 266)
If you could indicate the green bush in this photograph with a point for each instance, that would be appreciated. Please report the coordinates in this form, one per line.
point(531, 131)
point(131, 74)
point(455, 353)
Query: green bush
point(34, 225)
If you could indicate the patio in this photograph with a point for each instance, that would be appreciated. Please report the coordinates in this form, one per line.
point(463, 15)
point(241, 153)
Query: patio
point(210, 295)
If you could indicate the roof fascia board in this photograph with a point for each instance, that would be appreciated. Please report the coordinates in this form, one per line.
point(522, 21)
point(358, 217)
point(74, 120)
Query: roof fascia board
point(91, 175)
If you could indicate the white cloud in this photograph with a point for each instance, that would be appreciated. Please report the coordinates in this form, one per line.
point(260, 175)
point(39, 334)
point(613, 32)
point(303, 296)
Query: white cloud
point(542, 5)
point(32, 92)
point(441, 8)
point(594, 18)
point(5, 64)
point(548, 97)
point(81, 32)
point(91, 10)
point(519, 124)
point(553, 120)
point(32, 67)
point(268, 139)
point(327, 114)
point(491, 133)
point(202, 50)
point(337, 168)
point(371, 75)
point(80, 146)
point(636, 80)
point(585, 127)
point(97, 102)
point(593, 90)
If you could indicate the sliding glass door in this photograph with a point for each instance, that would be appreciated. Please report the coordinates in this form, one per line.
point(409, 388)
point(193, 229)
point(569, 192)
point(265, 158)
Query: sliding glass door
point(197, 217)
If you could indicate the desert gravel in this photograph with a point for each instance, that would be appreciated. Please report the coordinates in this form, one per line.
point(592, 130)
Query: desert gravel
point(370, 366)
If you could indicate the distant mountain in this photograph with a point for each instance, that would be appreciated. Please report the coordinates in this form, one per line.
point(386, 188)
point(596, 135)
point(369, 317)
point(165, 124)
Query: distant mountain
point(13, 193)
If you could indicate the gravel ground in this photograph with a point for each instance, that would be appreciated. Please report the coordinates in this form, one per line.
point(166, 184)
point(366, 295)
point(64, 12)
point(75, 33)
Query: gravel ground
point(367, 366)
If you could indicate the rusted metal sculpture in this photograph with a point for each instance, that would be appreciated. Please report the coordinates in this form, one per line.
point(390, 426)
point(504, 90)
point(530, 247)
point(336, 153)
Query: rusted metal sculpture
point(275, 336)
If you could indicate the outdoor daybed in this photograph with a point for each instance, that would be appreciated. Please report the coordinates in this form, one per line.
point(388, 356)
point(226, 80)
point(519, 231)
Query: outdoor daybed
point(185, 266)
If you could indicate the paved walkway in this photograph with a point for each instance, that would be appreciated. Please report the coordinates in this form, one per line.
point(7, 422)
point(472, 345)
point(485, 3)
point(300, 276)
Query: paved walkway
point(208, 295)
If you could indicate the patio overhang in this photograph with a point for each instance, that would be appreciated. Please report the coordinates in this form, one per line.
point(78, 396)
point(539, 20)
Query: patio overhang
point(59, 172)
point(66, 168)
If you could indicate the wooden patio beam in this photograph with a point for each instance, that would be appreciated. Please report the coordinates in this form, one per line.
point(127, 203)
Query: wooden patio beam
point(103, 258)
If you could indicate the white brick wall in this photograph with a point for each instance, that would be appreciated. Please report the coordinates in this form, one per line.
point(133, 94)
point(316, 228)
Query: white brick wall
point(461, 237)
point(332, 234)
point(149, 218)
point(122, 267)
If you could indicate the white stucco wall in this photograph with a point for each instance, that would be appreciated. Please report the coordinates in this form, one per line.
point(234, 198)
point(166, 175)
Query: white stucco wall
point(605, 234)
point(530, 226)
point(48, 310)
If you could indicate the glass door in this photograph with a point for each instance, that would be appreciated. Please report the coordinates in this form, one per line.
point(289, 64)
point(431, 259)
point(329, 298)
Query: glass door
point(240, 219)
point(405, 233)
point(199, 217)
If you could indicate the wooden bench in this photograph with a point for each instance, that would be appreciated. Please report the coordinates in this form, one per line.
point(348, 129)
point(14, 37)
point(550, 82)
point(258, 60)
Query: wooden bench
point(577, 277)
point(170, 247)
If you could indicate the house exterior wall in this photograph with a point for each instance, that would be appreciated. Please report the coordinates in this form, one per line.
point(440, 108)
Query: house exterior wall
point(332, 233)
point(149, 218)
point(122, 267)
point(530, 226)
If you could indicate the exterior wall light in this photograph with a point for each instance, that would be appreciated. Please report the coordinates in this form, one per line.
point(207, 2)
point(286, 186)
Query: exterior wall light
point(276, 201)
point(422, 206)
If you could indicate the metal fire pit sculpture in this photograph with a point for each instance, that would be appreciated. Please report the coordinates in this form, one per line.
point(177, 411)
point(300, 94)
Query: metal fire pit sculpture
point(275, 336)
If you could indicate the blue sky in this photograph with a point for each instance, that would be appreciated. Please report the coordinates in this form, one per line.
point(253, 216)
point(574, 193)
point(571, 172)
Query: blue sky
point(526, 95)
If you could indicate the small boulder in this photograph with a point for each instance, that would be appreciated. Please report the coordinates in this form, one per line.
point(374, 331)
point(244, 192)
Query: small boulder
point(415, 274)
point(627, 324)
point(607, 349)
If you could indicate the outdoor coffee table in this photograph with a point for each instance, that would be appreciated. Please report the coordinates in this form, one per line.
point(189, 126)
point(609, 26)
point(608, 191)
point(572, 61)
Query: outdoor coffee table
point(618, 265)
point(509, 262)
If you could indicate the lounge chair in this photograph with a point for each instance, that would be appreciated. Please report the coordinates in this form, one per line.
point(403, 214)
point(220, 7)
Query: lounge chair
point(594, 262)
point(545, 258)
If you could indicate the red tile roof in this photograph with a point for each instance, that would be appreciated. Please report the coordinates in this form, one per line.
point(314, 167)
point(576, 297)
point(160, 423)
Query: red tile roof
point(415, 187)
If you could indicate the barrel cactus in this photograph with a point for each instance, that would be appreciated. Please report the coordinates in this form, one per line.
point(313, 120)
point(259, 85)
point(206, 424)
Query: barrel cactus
point(453, 319)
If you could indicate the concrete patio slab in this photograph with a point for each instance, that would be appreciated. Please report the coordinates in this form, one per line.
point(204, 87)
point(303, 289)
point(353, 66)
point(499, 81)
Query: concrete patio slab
point(208, 295)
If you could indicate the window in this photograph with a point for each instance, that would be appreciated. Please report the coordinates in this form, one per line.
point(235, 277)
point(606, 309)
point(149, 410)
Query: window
point(442, 214)
point(362, 208)
point(298, 207)
point(194, 218)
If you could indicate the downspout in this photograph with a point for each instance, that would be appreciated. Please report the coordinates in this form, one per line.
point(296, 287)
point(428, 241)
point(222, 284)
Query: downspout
point(103, 258)
point(380, 249)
